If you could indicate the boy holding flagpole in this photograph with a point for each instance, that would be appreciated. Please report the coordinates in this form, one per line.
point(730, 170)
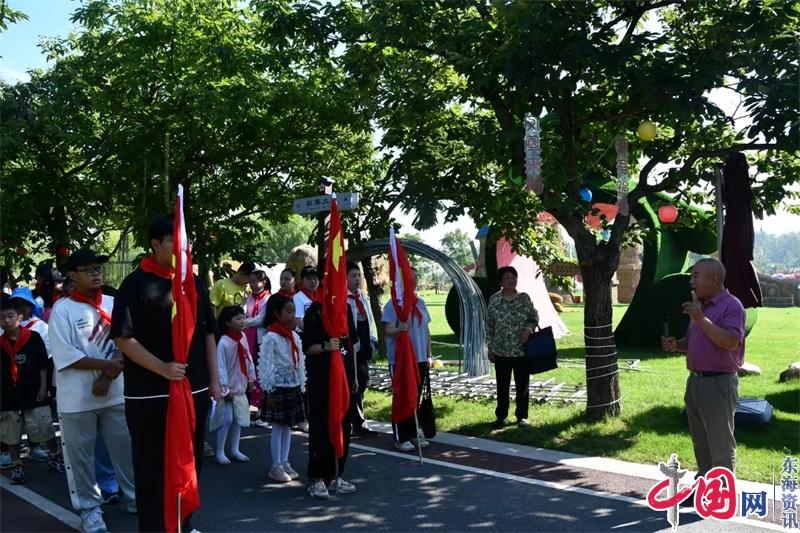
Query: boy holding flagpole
point(164, 323)
point(326, 327)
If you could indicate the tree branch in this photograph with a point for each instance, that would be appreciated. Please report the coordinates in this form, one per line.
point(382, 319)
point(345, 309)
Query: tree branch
point(643, 189)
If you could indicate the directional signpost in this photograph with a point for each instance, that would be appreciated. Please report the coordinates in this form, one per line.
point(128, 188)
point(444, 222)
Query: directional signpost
point(321, 206)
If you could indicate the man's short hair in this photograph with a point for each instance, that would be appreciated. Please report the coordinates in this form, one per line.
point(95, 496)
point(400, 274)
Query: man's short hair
point(715, 265)
point(352, 265)
point(246, 268)
point(160, 227)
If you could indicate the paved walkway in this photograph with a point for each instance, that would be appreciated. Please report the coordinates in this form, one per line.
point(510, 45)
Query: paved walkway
point(466, 484)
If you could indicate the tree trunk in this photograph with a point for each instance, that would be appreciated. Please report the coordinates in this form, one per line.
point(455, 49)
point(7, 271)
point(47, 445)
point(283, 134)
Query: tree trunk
point(375, 292)
point(602, 371)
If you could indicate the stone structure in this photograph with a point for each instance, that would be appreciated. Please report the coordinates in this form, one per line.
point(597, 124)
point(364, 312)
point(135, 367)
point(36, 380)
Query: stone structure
point(779, 292)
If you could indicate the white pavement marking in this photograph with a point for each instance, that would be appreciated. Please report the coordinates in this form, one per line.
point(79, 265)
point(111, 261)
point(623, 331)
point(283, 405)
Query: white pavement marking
point(550, 484)
point(40, 502)
point(603, 464)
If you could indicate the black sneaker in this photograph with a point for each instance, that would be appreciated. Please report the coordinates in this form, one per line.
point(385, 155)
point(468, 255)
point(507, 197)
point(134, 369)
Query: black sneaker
point(56, 463)
point(18, 475)
point(498, 424)
point(110, 498)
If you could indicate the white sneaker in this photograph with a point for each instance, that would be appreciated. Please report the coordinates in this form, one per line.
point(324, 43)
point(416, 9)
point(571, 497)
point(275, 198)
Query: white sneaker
point(404, 446)
point(279, 474)
point(40, 454)
point(260, 423)
point(303, 427)
point(341, 486)
point(291, 472)
point(92, 521)
point(5, 461)
point(318, 490)
point(422, 442)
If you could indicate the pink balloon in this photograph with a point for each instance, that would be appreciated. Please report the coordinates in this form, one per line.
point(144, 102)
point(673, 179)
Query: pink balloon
point(667, 214)
point(609, 210)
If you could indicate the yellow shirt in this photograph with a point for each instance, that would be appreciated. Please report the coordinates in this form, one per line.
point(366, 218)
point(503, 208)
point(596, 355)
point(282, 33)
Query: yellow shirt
point(225, 293)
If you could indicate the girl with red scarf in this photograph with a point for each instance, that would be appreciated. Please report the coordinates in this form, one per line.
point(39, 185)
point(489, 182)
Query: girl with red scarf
point(255, 307)
point(236, 376)
point(283, 377)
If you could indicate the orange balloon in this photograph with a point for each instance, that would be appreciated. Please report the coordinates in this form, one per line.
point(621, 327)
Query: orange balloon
point(609, 210)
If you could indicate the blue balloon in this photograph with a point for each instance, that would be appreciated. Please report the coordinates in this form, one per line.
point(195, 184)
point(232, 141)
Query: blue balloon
point(586, 194)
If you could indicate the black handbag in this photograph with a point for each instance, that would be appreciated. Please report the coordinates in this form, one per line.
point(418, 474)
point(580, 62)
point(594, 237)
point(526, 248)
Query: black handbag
point(540, 351)
point(425, 413)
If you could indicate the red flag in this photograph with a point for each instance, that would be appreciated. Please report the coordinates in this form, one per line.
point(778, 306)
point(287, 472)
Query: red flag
point(334, 318)
point(180, 476)
point(405, 378)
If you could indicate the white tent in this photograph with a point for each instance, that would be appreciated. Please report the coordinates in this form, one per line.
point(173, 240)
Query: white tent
point(531, 281)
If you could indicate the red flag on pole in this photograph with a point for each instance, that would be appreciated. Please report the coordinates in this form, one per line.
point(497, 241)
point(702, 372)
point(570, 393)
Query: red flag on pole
point(334, 318)
point(405, 378)
point(180, 476)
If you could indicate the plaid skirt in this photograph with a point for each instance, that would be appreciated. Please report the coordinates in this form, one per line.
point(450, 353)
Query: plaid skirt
point(287, 407)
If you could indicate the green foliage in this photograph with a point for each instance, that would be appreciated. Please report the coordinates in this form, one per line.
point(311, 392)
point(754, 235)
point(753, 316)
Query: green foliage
point(456, 244)
point(146, 95)
point(777, 253)
point(278, 240)
point(9, 16)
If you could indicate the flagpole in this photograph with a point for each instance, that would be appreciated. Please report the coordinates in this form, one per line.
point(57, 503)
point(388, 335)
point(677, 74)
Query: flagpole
point(419, 444)
point(180, 526)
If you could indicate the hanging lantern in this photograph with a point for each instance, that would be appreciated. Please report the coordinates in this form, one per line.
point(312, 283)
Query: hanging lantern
point(667, 214)
point(646, 131)
point(22, 251)
point(605, 234)
point(533, 155)
point(621, 144)
point(609, 211)
point(62, 251)
point(586, 194)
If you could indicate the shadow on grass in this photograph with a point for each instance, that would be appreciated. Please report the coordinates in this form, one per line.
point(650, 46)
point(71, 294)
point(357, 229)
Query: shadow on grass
point(787, 401)
point(596, 439)
point(578, 352)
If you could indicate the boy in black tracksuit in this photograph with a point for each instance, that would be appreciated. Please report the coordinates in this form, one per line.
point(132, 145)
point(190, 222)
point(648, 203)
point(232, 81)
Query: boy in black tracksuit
point(317, 347)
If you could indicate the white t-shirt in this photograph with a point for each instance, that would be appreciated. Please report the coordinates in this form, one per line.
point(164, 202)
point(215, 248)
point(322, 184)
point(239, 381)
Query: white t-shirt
point(76, 331)
point(301, 305)
point(39, 326)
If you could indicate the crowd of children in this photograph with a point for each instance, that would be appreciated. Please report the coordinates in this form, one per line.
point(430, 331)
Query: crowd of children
point(102, 365)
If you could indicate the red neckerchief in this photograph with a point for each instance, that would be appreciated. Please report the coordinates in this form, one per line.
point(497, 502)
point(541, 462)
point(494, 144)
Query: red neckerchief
point(95, 302)
point(23, 335)
point(359, 305)
point(30, 324)
point(241, 352)
point(288, 294)
point(288, 334)
point(150, 266)
point(316, 296)
point(257, 298)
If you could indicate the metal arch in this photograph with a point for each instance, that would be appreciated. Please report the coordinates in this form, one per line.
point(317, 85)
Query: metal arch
point(473, 307)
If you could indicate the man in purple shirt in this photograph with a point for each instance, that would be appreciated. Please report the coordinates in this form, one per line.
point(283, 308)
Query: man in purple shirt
point(714, 346)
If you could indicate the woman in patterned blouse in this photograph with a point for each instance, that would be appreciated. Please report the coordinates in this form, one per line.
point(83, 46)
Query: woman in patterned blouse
point(511, 320)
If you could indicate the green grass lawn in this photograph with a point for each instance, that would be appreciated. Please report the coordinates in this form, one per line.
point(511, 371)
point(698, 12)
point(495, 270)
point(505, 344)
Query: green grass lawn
point(651, 426)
